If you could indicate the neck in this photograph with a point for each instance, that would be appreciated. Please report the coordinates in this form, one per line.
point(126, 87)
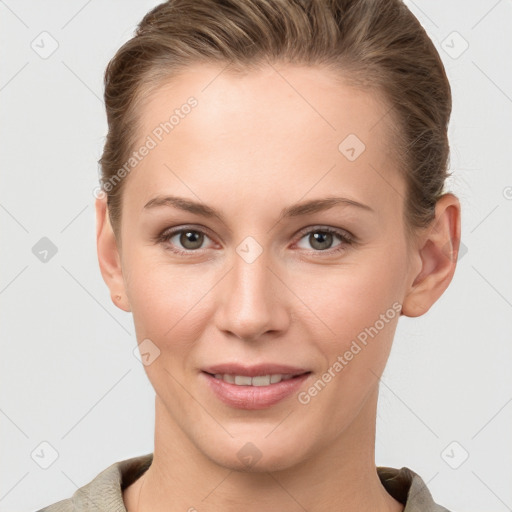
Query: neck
point(344, 476)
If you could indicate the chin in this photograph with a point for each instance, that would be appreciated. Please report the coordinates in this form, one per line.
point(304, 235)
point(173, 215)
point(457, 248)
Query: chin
point(257, 455)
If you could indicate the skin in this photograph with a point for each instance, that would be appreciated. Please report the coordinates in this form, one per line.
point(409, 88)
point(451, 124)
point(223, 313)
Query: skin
point(251, 147)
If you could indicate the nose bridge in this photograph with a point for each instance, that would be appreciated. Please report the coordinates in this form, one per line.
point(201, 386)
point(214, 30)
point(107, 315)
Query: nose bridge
point(251, 278)
point(250, 305)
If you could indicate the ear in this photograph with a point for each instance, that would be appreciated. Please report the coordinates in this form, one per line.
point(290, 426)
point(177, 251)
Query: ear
point(436, 251)
point(109, 257)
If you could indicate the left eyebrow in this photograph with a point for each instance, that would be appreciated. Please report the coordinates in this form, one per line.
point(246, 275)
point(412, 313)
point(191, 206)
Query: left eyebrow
point(317, 205)
point(304, 208)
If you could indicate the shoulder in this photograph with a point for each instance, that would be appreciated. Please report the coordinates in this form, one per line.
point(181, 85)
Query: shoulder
point(408, 487)
point(105, 491)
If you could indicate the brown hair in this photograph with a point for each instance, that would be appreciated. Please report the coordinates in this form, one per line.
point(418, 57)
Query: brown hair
point(376, 44)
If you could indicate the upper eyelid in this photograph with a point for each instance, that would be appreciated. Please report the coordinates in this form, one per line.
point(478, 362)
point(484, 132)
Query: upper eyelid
point(322, 227)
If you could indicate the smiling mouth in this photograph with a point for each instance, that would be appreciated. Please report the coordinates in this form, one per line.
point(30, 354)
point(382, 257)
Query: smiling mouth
point(257, 380)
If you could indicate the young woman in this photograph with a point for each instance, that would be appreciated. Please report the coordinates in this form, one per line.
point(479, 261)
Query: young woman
point(272, 202)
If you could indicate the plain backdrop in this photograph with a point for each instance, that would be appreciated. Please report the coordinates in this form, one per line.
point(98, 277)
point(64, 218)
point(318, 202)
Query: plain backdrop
point(74, 398)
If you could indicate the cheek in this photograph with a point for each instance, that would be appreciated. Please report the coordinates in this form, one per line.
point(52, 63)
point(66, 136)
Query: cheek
point(347, 299)
point(362, 310)
point(168, 307)
point(360, 304)
point(164, 298)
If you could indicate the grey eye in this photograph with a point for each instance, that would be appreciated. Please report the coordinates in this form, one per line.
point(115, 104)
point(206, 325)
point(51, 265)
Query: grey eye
point(319, 239)
point(190, 239)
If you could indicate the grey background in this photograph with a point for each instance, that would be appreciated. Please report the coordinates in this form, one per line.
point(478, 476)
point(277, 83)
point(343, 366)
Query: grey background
point(69, 378)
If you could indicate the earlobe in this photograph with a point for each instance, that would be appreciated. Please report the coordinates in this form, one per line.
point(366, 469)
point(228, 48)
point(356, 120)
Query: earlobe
point(108, 256)
point(438, 249)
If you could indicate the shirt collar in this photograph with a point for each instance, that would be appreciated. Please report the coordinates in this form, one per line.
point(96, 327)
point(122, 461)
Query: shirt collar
point(403, 484)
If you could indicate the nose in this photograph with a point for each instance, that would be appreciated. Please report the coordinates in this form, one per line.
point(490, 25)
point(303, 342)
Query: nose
point(252, 301)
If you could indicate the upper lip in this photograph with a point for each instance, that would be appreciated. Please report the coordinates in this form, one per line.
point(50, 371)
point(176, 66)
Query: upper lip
point(254, 370)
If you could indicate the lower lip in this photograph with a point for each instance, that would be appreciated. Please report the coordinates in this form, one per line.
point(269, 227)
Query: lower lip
point(254, 397)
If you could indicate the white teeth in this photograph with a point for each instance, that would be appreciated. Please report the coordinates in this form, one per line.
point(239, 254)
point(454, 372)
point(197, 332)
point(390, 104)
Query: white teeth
point(263, 380)
point(242, 380)
point(259, 380)
point(275, 378)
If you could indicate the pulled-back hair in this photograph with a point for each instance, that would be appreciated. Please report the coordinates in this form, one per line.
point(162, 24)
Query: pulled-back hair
point(378, 45)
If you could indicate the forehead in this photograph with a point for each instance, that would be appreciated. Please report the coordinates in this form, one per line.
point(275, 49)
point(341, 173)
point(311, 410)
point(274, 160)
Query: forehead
point(264, 129)
point(281, 97)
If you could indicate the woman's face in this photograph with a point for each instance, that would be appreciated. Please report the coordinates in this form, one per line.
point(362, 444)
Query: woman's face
point(264, 271)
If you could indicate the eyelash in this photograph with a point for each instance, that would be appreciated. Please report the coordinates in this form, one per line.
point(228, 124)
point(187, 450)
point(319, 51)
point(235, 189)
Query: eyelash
point(346, 239)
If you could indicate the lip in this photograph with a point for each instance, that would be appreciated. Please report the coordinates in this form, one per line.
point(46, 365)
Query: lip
point(253, 371)
point(254, 397)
